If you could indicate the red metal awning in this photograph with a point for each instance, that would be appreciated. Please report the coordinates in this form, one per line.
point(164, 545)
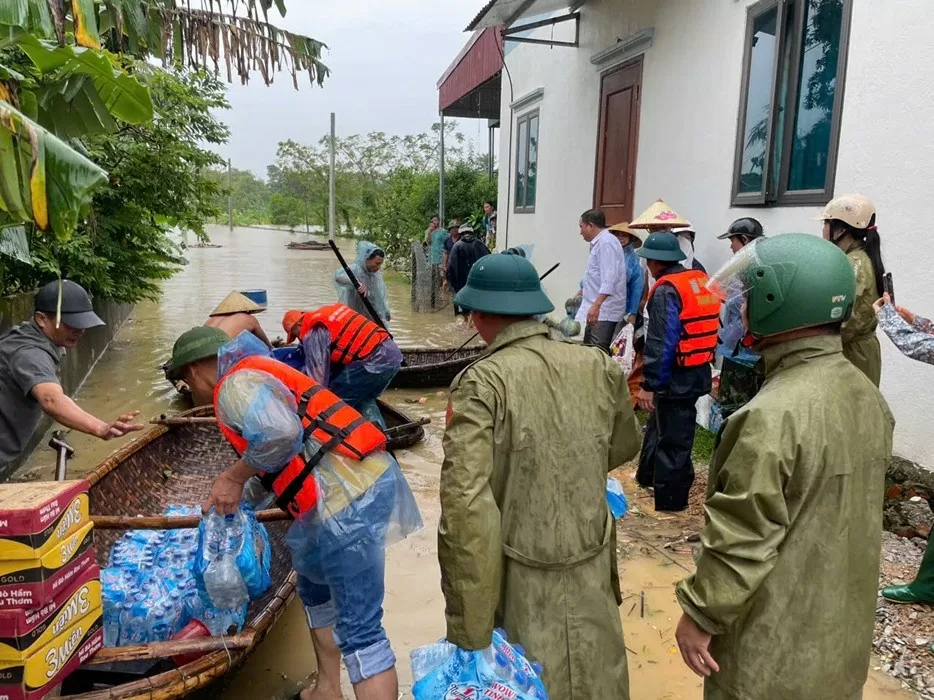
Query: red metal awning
point(470, 87)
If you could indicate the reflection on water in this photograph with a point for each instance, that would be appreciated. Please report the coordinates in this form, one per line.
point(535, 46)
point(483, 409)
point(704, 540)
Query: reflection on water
point(128, 377)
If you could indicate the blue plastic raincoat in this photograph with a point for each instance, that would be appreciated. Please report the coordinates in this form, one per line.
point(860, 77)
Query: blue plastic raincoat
point(362, 504)
point(376, 294)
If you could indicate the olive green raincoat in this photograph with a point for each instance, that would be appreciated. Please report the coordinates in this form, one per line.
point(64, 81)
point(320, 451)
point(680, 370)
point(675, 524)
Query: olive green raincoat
point(860, 343)
point(788, 574)
point(526, 540)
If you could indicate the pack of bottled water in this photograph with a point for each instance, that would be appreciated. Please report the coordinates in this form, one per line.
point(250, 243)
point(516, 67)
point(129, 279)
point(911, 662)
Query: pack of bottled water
point(615, 498)
point(442, 671)
point(153, 586)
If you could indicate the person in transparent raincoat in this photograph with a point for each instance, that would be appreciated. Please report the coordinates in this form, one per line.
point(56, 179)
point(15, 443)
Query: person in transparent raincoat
point(338, 546)
point(366, 268)
point(359, 382)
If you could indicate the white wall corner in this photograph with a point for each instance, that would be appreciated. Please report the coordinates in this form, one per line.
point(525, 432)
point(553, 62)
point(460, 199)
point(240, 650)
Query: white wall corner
point(528, 98)
point(624, 49)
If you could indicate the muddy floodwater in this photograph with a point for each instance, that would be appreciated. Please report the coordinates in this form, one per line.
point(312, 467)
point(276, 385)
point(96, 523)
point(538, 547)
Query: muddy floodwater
point(129, 377)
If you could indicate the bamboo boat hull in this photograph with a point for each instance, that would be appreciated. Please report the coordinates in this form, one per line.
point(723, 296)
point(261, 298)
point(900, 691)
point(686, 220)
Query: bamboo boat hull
point(427, 368)
point(176, 465)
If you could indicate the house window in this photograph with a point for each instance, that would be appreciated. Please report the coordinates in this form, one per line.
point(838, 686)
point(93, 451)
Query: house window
point(792, 96)
point(526, 162)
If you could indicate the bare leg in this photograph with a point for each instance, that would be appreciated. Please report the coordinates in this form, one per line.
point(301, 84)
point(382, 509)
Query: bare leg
point(328, 656)
point(384, 686)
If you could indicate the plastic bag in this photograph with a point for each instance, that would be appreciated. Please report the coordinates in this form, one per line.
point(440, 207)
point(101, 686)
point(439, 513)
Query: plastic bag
point(621, 348)
point(362, 505)
point(615, 498)
point(247, 540)
point(445, 672)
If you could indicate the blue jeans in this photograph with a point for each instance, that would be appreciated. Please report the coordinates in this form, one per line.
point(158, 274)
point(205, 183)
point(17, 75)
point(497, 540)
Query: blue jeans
point(360, 384)
point(353, 606)
point(348, 587)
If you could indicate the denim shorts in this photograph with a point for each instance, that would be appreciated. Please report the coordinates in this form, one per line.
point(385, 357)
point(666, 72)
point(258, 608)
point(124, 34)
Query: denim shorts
point(353, 606)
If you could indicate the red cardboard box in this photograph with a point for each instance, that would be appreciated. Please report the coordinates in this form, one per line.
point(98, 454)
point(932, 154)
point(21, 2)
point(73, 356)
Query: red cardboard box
point(36, 516)
point(30, 583)
point(34, 677)
point(24, 631)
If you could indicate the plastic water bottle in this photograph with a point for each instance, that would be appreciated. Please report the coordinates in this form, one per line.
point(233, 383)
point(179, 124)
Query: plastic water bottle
point(615, 498)
point(222, 578)
point(494, 666)
point(426, 659)
point(134, 621)
point(114, 593)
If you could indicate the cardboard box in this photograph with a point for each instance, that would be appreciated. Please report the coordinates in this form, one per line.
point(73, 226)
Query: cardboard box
point(49, 665)
point(24, 631)
point(30, 583)
point(35, 517)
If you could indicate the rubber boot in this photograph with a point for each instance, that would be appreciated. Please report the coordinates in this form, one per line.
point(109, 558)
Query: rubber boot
point(921, 590)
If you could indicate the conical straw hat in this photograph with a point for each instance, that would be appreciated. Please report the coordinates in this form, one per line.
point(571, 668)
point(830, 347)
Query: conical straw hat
point(236, 303)
point(659, 215)
point(624, 227)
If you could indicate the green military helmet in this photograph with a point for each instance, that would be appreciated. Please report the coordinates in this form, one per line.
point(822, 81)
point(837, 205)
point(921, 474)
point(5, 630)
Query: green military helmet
point(504, 284)
point(789, 282)
point(193, 345)
point(662, 246)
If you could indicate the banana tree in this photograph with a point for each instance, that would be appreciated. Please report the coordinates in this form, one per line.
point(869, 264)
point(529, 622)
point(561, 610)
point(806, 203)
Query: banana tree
point(74, 84)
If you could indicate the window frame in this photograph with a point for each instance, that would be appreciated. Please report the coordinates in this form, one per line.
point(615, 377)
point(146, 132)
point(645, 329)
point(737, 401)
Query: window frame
point(777, 193)
point(526, 118)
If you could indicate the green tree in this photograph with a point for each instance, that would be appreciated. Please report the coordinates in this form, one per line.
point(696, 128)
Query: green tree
point(159, 181)
point(70, 84)
point(248, 194)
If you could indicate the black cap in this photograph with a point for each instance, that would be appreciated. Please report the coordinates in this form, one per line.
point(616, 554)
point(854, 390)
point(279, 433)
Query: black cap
point(747, 226)
point(77, 310)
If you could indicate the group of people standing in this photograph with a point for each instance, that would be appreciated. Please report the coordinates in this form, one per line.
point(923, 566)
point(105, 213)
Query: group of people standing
point(782, 603)
point(453, 252)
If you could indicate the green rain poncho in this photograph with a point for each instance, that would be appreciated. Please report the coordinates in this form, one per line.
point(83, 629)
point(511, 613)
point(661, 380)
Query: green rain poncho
point(860, 343)
point(526, 540)
point(788, 574)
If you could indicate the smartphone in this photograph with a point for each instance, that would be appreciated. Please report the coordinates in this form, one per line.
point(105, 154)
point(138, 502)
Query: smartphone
point(889, 286)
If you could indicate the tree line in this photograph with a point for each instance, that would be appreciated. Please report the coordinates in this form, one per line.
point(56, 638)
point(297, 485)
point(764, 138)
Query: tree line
point(387, 187)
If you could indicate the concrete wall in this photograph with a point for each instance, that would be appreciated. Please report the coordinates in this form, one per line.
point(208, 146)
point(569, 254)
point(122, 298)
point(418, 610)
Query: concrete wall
point(690, 97)
point(77, 364)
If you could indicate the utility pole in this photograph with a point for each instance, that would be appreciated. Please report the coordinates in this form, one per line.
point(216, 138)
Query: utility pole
point(229, 197)
point(332, 194)
point(441, 179)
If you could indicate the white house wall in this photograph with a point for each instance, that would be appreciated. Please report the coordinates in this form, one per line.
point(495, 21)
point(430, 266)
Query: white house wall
point(690, 95)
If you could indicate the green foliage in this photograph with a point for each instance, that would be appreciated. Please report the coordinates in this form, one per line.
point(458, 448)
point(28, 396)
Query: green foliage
point(386, 186)
point(158, 181)
point(249, 196)
point(72, 87)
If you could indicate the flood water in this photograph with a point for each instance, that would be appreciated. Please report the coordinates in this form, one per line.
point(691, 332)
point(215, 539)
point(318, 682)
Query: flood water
point(129, 377)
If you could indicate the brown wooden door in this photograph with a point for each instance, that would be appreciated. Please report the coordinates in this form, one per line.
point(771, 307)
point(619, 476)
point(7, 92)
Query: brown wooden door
point(618, 138)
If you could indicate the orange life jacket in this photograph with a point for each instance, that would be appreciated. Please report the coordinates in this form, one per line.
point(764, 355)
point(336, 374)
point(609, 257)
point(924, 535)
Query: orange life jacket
point(353, 335)
point(330, 421)
point(700, 317)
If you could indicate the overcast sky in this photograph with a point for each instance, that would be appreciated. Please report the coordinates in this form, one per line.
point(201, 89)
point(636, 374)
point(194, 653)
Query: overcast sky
point(385, 56)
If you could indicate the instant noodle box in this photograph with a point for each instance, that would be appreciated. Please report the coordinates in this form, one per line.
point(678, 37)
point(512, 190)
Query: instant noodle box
point(30, 583)
point(34, 677)
point(22, 632)
point(36, 517)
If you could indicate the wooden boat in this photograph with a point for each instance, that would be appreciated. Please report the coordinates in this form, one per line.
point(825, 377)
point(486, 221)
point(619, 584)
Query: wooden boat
point(307, 245)
point(133, 481)
point(430, 367)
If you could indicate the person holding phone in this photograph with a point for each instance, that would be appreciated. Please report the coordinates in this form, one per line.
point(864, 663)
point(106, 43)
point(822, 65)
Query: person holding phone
point(850, 224)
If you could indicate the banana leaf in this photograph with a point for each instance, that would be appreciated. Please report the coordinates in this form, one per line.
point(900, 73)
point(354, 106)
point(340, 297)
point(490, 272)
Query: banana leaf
point(13, 243)
point(125, 97)
point(42, 179)
point(84, 18)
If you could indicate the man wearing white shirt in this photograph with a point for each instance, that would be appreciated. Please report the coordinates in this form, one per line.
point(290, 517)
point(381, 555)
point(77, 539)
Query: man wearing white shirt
point(604, 285)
